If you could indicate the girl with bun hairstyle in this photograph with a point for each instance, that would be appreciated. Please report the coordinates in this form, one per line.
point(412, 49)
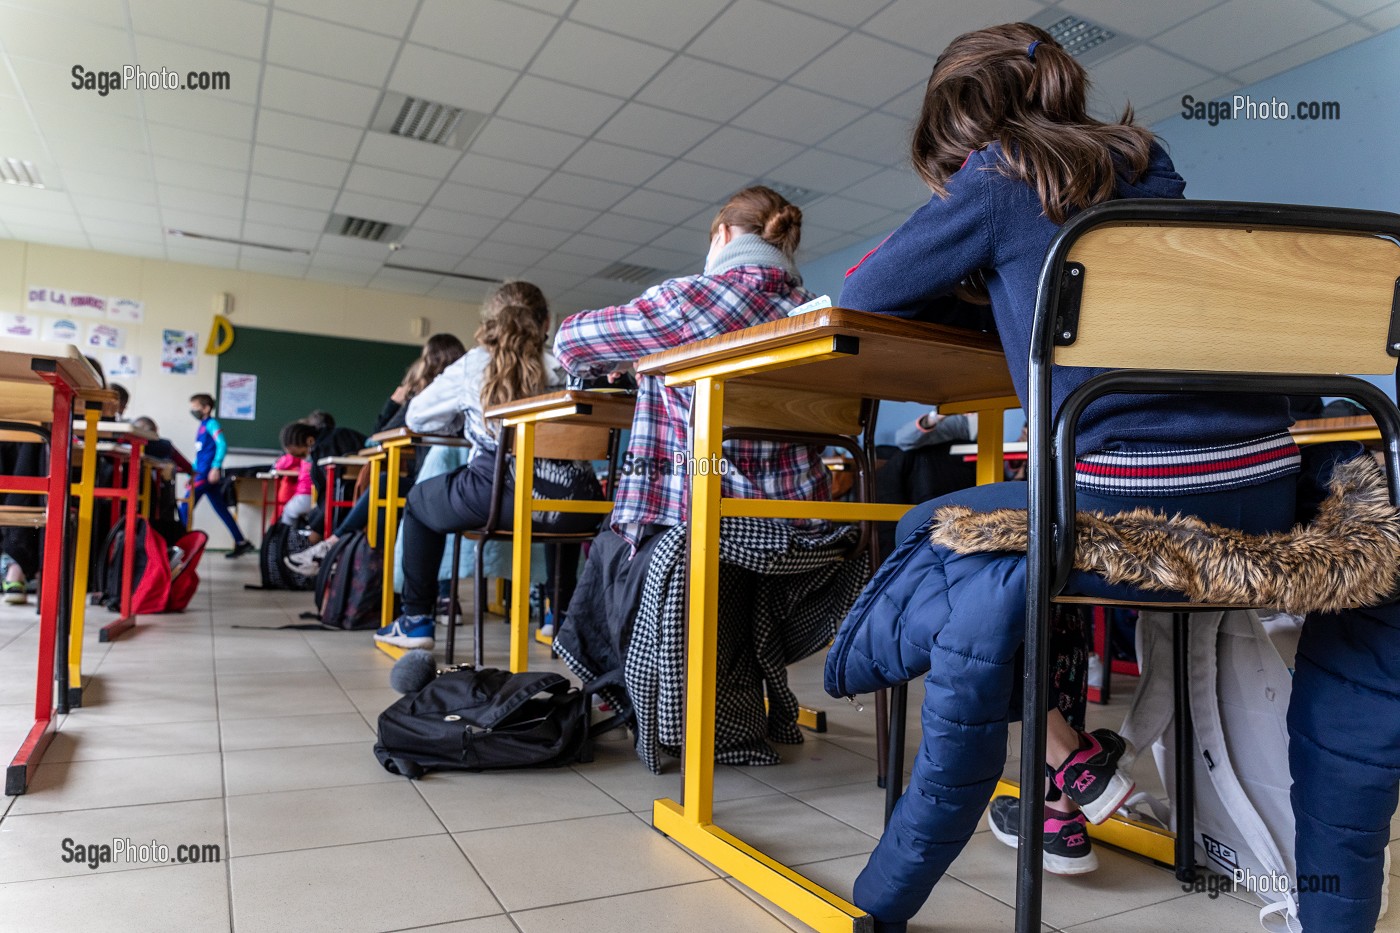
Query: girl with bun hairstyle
point(749, 279)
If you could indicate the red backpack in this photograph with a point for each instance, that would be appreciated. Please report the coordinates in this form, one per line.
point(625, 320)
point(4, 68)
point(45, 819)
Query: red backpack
point(157, 589)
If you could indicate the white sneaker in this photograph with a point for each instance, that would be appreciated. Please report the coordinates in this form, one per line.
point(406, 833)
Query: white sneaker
point(308, 562)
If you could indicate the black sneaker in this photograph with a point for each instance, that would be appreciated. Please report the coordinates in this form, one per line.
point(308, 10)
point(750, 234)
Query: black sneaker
point(1067, 847)
point(1091, 778)
point(239, 549)
point(444, 606)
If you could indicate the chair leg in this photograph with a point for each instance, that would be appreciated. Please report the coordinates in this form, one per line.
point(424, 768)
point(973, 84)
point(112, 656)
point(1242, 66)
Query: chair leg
point(452, 599)
point(479, 599)
point(1185, 750)
point(894, 769)
point(882, 737)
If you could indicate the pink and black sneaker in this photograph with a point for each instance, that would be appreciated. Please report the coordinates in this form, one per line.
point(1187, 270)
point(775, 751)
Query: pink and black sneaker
point(1091, 778)
point(1067, 850)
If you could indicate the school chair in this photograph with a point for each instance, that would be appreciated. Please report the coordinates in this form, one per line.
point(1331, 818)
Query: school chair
point(1181, 297)
point(552, 442)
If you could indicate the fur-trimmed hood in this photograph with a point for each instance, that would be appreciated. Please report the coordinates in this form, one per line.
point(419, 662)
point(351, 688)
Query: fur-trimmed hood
point(1347, 556)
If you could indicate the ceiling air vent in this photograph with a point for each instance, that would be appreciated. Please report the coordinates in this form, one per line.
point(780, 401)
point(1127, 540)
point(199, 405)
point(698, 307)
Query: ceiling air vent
point(626, 272)
point(358, 228)
point(802, 197)
point(426, 120)
point(21, 172)
point(1087, 41)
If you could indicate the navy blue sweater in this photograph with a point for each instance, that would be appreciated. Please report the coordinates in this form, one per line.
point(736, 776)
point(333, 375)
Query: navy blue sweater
point(991, 222)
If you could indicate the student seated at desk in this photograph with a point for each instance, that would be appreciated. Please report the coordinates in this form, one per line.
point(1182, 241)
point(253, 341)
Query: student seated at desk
point(209, 451)
point(1007, 146)
point(297, 440)
point(509, 362)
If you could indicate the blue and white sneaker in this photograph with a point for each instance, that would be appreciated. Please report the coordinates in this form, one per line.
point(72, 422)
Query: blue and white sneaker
point(407, 632)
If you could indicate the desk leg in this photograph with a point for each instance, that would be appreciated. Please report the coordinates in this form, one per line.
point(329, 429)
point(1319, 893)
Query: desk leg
point(520, 547)
point(391, 531)
point(990, 465)
point(692, 824)
point(132, 515)
point(331, 497)
point(87, 480)
point(31, 750)
point(372, 529)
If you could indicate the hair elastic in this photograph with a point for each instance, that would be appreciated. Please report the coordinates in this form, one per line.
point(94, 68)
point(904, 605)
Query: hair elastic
point(1030, 49)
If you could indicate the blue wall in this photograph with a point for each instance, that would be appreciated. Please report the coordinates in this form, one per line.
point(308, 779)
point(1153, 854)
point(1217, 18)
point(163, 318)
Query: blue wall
point(1351, 162)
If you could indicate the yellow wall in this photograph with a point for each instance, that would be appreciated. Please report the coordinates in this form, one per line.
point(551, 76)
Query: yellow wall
point(182, 297)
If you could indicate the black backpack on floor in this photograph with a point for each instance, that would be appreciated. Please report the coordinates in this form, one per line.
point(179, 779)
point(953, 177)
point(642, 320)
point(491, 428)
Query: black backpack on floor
point(482, 720)
point(281, 541)
point(350, 584)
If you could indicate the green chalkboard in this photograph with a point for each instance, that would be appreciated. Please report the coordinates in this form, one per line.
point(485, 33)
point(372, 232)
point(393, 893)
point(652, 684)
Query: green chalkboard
point(300, 372)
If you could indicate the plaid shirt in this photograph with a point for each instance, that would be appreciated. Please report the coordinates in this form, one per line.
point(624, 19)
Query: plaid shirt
point(650, 489)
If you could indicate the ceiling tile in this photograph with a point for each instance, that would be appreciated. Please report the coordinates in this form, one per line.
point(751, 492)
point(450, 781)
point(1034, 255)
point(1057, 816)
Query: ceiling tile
point(582, 192)
point(362, 250)
point(701, 182)
point(459, 246)
point(664, 259)
point(116, 132)
point(296, 194)
point(498, 174)
point(370, 207)
point(298, 218)
point(517, 256)
point(384, 183)
point(507, 139)
point(179, 59)
point(427, 259)
point(456, 223)
point(102, 184)
point(597, 247)
point(743, 37)
point(876, 137)
point(1140, 75)
point(49, 85)
point(1384, 18)
point(845, 12)
point(89, 207)
point(615, 163)
point(229, 25)
point(116, 229)
point(195, 222)
point(1241, 31)
point(839, 213)
point(743, 151)
point(671, 25)
point(204, 114)
point(474, 200)
point(654, 205)
point(930, 27)
point(1143, 20)
point(305, 134)
point(548, 214)
point(174, 142)
point(298, 166)
point(896, 189)
point(1305, 51)
point(907, 105)
point(558, 106)
point(585, 57)
point(1357, 7)
point(199, 175)
point(631, 229)
point(528, 235)
point(557, 7)
point(65, 39)
point(317, 96)
point(844, 70)
point(486, 29)
point(823, 171)
point(407, 155)
point(387, 17)
point(565, 262)
point(329, 49)
point(174, 197)
point(278, 235)
point(450, 79)
point(801, 116)
point(654, 130)
point(72, 154)
point(703, 89)
point(108, 12)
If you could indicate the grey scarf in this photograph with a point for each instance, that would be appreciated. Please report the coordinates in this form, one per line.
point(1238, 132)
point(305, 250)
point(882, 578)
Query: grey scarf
point(750, 249)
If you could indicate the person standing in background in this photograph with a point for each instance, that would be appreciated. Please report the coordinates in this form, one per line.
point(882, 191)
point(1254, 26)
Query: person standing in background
point(209, 450)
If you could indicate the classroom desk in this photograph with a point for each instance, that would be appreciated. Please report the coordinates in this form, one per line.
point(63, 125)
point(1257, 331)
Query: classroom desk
point(39, 382)
point(774, 375)
point(1322, 430)
point(571, 407)
point(393, 444)
point(342, 468)
point(269, 480)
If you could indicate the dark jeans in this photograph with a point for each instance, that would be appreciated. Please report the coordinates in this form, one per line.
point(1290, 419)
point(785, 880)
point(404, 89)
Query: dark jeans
point(461, 500)
point(203, 489)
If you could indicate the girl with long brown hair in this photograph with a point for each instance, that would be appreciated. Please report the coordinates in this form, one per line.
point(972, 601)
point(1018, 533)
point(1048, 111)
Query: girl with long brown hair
point(1005, 143)
point(508, 362)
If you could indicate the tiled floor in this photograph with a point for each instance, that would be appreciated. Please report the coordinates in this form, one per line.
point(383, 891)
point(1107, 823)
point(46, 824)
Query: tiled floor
point(216, 727)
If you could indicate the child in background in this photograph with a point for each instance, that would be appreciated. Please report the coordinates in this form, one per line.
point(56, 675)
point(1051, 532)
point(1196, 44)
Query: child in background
point(209, 450)
point(298, 438)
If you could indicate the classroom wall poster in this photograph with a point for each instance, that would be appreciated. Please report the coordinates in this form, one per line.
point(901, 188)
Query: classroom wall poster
point(104, 337)
point(177, 351)
point(126, 310)
point(62, 329)
point(238, 396)
point(13, 324)
point(68, 304)
point(121, 364)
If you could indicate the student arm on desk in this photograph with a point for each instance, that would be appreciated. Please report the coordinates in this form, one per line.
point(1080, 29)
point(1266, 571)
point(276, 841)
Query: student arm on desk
point(593, 342)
